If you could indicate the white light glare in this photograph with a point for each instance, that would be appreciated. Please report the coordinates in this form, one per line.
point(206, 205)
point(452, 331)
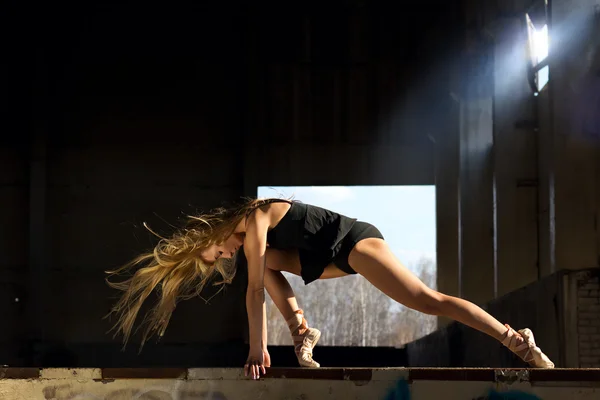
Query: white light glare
point(540, 43)
point(539, 47)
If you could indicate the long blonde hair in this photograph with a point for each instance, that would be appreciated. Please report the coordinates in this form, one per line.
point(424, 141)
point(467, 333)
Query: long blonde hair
point(175, 269)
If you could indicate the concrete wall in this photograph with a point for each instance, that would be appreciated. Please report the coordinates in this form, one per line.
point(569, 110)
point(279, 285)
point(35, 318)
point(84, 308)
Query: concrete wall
point(488, 171)
point(562, 310)
point(586, 285)
point(347, 100)
point(524, 169)
point(13, 245)
point(575, 149)
point(117, 125)
point(538, 306)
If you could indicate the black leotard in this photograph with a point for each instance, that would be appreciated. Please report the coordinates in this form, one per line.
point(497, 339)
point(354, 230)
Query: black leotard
point(321, 237)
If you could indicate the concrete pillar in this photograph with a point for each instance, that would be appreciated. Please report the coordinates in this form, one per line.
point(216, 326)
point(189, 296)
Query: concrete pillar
point(546, 232)
point(574, 146)
point(476, 229)
point(515, 156)
point(447, 194)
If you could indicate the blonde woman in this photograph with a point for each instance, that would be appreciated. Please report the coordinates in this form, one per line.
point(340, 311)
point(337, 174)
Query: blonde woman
point(282, 235)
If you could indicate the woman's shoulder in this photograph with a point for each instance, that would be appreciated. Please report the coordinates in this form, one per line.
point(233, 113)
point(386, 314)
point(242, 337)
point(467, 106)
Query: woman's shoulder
point(272, 209)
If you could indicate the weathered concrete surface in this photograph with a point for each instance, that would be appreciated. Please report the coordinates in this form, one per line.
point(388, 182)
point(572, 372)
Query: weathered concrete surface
point(585, 290)
point(63, 384)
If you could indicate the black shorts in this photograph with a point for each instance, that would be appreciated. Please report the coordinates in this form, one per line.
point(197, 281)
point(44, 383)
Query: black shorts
point(359, 231)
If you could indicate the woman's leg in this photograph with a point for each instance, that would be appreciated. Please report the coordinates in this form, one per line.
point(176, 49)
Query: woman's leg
point(373, 259)
point(282, 294)
point(277, 285)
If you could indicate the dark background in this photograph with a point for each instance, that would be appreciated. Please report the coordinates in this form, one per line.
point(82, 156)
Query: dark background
point(122, 113)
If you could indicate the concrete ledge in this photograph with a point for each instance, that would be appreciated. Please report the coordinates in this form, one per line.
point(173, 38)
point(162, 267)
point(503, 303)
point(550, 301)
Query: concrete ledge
point(71, 373)
point(144, 373)
point(297, 383)
point(331, 374)
point(19, 373)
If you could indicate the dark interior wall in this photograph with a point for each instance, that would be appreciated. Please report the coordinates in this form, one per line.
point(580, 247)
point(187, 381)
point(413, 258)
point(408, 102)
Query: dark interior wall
point(15, 114)
point(573, 138)
point(141, 114)
point(132, 115)
point(345, 92)
point(157, 130)
point(13, 242)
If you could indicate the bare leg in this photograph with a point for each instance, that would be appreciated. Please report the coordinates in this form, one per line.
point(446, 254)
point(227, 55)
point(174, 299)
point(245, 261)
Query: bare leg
point(373, 259)
point(282, 294)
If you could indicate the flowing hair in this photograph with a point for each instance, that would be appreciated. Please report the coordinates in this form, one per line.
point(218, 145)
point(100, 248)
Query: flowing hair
point(175, 269)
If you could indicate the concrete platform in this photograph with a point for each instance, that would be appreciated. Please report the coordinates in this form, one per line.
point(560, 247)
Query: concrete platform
point(294, 383)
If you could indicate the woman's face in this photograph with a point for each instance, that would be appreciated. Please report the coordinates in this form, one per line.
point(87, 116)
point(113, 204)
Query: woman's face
point(224, 250)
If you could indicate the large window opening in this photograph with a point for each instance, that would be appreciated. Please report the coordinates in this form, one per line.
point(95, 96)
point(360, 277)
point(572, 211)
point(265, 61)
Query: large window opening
point(349, 310)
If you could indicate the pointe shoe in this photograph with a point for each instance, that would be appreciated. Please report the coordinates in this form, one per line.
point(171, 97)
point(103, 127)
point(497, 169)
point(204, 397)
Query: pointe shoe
point(522, 343)
point(305, 339)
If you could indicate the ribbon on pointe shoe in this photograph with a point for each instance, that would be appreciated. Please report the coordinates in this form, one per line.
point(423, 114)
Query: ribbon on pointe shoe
point(304, 338)
point(522, 340)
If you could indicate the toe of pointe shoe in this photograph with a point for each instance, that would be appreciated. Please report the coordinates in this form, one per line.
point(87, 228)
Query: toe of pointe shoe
point(538, 358)
point(308, 362)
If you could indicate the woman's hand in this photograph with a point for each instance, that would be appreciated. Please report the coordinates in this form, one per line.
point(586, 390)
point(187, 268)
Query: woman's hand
point(266, 358)
point(255, 364)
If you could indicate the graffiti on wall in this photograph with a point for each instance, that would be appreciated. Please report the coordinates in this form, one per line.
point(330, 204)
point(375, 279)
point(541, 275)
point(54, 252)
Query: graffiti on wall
point(402, 392)
point(68, 392)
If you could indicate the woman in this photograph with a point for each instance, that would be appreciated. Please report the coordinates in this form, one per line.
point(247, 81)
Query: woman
point(282, 235)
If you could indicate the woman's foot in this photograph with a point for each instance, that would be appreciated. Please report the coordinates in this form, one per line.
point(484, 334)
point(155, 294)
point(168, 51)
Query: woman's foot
point(523, 345)
point(305, 339)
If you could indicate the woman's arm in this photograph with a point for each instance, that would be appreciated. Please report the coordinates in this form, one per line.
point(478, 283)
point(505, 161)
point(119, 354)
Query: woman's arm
point(255, 246)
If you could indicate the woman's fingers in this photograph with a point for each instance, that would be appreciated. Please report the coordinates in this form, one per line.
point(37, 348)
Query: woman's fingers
point(254, 369)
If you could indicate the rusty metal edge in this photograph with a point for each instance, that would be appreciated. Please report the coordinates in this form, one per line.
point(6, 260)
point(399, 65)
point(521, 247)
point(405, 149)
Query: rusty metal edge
point(506, 374)
point(144, 373)
point(451, 374)
point(565, 375)
point(334, 374)
point(19, 373)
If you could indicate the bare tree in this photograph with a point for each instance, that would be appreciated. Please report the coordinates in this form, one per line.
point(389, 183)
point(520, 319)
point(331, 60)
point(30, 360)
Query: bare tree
point(351, 312)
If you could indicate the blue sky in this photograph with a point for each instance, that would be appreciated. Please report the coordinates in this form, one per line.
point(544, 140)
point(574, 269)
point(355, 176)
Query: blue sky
point(404, 214)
